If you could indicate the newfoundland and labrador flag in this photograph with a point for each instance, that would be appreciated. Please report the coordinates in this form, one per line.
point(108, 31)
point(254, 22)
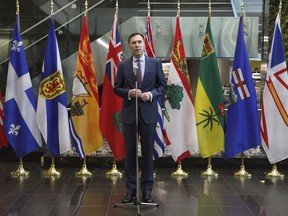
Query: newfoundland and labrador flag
point(209, 107)
point(52, 113)
point(180, 123)
point(242, 129)
point(111, 104)
point(85, 111)
point(20, 105)
point(274, 116)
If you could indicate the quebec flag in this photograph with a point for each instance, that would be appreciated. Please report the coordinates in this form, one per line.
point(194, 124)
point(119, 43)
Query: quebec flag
point(52, 113)
point(20, 105)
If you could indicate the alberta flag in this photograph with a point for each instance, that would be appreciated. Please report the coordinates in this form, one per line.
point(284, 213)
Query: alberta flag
point(85, 111)
point(159, 140)
point(20, 105)
point(111, 104)
point(209, 107)
point(179, 121)
point(52, 113)
point(274, 116)
point(242, 129)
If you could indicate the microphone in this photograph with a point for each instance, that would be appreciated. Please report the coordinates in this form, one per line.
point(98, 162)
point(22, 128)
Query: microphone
point(135, 70)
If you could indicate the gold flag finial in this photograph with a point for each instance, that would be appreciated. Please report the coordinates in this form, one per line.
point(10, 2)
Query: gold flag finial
point(209, 9)
point(280, 7)
point(242, 8)
point(52, 7)
point(178, 8)
point(86, 7)
point(116, 8)
point(17, 7)
point(148, 7)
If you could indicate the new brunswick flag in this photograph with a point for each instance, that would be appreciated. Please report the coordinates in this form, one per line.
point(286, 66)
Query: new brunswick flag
point(85, 111)
point(209, 108)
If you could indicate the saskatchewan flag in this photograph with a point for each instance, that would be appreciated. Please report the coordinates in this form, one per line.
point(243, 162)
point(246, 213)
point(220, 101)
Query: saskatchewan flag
point(209, 107)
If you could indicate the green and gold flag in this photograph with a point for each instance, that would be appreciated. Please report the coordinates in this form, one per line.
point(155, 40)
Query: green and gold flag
point(209, 107)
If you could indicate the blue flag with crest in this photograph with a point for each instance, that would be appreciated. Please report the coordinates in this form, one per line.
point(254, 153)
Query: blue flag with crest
point(20, 106)
point(242, 129)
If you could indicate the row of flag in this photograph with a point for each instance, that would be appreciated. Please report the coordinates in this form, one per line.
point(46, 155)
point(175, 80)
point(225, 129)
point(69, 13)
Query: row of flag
point(186, 126)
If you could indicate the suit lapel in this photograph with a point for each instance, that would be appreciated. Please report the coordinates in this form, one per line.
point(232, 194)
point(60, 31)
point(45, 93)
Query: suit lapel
point(130, 69)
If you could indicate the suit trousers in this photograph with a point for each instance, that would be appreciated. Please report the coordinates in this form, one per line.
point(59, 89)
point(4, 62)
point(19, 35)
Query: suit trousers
point(146, 134)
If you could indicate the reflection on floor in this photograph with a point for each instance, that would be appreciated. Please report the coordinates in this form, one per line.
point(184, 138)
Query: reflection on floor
point(97, 195)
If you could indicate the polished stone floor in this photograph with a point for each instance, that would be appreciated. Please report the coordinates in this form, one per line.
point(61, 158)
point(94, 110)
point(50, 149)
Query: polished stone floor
point(195, 195)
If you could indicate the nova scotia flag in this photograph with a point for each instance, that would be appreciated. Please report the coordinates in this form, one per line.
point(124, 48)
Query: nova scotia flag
point(20, 105)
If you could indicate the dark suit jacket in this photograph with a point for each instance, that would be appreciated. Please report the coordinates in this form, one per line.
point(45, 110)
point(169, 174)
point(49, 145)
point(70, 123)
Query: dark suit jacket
point(153, 81)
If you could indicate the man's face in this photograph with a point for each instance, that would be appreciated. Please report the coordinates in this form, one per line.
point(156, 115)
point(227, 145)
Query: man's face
point(137, 46)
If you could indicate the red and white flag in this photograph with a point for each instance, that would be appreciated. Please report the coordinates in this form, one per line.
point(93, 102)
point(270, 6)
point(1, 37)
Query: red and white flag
point(111, 104)
point(274, 116)
point(179, 122)
point(3, 138)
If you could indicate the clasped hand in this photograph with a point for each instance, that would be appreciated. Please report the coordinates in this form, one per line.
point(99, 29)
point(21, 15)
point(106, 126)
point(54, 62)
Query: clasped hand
point(145, 96)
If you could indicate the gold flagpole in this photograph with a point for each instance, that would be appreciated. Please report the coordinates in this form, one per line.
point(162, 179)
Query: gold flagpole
point(51, 171)
point(179, 173)
point(209, 171)
point(242, 172)
point(114, 172)
point(20, 171)
point(274, 172)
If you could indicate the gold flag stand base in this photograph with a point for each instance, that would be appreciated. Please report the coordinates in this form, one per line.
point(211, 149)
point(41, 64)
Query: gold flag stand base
point(84, 171)
point(179, 172)
point(114, 172)
point(242, 172)
point(275, 173)
point(20, 172)
point(52, 171)
point(209, 172)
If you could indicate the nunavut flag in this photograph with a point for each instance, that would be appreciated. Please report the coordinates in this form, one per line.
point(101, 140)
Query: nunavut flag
point(242, 129)
point(180, 123)
point(85, 111)
point(20, 105)
point(209, 107)
point(52, 113)
point(274, 116)
point(111, 104)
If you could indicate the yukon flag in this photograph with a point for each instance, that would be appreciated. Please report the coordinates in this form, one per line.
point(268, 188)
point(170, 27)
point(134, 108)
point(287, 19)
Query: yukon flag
point(85, 109)
point(3, 138)
point(274, 116)
point(52, 113)
point(20, 105)
point(180, 124)
point(242, 129)
point(150, 51)
point(209, 107)
point(111, 104)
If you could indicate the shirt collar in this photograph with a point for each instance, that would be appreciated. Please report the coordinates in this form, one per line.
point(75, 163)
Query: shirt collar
point(142, 58)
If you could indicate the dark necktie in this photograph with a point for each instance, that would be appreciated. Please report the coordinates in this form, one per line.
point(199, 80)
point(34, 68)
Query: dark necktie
point(139, 74)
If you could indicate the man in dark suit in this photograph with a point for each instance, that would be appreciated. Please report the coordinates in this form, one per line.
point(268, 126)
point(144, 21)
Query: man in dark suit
point(151, 84)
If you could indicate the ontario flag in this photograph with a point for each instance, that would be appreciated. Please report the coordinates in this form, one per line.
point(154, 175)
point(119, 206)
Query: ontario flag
point(85, 111)
point(150, 51)
point(274, 116)
point(209, 107)
point(242, 129)
point(52, 113)
point(20, 104)
point(111, 104)
point(3, 138)
point(180, 123)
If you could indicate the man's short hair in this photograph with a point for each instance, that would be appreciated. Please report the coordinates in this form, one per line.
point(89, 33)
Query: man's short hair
point(134, 34)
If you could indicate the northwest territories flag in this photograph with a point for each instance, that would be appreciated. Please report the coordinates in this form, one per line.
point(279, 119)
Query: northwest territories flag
point(274, 116)
point(242, 129)
point(20, 105)
point(52, 113)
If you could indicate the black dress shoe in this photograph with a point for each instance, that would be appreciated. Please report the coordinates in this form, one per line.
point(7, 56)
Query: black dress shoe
point(147, 198)
point(129, 198)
